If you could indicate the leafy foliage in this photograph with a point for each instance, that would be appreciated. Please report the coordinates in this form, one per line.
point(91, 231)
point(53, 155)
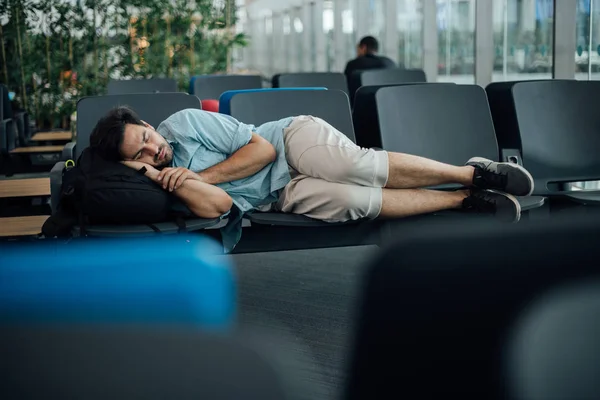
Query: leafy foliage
point(56, 51)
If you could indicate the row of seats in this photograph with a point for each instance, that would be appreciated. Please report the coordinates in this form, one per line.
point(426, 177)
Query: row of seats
point(212, 86)
point(15, 130)
point(470, 311)
point(447, 122)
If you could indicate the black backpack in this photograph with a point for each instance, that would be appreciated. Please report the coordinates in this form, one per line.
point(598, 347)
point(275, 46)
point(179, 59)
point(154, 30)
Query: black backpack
point(97, 191)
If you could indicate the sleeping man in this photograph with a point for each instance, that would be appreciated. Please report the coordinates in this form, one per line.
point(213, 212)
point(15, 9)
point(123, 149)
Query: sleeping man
point(300, 165)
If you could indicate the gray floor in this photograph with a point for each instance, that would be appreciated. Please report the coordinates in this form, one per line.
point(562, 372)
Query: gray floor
point(305, 300)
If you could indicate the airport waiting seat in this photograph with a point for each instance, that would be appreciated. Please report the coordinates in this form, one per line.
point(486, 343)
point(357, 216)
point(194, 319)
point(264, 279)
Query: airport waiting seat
point(257, 107)
point(387, 76)
point(130, 362)
point(15, 133)
point(212, 86)
point(364, 114)
point(7, 127)
point(553, 126)
point(329, 80)
point(225, 100)
point(147, 318)
point(181, 280)
point(19, 121)
point(131, 86)
point(152, 108)
point(449, 312)
point(444, 122)
point(502, 108)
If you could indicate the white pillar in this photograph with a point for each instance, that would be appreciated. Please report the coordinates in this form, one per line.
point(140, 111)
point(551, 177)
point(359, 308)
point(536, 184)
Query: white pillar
point(390, 30)
point(320, 38)
point(296, 41)
point(308, 26)
point(484, 42)
point(361, 19)
point(565, 39)
point(278, 44)
point(430, 40)
point(338, 36)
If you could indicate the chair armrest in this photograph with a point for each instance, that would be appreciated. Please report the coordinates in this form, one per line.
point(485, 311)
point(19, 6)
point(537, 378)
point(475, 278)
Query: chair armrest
point(68, 152)
point(7, 132)
point(55, 184)
point(22, 124)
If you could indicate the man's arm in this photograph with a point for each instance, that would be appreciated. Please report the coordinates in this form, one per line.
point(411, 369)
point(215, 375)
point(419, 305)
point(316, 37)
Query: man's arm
point(203, 199)
point(247, 161)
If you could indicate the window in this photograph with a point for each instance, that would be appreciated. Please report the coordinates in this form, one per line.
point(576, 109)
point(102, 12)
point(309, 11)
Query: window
point(456, 41)
point(523, 39)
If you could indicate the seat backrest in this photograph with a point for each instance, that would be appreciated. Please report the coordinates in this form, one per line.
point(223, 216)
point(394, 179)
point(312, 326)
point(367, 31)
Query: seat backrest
point(132, 363)
point(130, 86)
point(384, 76)
point(391, 76)
point(329, 80)
point(225, 99)
point(212, 86)
point(364, 114)
point(502, 108)
point(117, 281)
point(557, 337)
point(444, 122)
point(559, 128)
point(271, 105)
point(439, 307)
point(5, 108)
point(151, 107)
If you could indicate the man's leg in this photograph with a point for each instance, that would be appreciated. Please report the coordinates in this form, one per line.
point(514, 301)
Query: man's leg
point(407, 171)
point(398, 203)
point(317, 149)
point(338, 202)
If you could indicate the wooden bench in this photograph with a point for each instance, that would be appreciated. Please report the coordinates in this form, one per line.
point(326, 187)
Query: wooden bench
point(38, 149)
point(52, 136)
point(22, 226)
point(24, 187)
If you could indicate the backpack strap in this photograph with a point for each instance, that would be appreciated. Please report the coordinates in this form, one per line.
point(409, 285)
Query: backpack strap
point(154, 228)
point(180, 222)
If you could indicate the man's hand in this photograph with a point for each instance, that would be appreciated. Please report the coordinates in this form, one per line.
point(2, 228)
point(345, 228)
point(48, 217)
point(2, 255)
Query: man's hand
point(172, 178)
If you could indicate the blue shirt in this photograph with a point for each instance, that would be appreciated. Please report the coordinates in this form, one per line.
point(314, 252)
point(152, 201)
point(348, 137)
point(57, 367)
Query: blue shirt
point(201, 139)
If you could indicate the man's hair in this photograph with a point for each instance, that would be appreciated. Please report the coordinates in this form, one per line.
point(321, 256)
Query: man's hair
point(370, 43)
point(108, 133)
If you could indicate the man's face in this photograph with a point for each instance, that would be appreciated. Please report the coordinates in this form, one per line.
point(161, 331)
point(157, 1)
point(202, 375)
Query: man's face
point(144, 144)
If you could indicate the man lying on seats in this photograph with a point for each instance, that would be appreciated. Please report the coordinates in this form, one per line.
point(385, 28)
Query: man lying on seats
point(299, 165)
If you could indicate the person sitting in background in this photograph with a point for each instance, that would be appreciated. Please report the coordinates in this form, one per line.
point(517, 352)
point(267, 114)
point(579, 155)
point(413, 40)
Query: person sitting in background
point(367, 58)
point(299, 165)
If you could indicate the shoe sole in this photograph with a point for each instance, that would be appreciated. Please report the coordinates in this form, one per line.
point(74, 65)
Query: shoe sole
point(511, 165)
point(511, 199)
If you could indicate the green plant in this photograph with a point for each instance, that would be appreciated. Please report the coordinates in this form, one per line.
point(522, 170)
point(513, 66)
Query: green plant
point(54, 52)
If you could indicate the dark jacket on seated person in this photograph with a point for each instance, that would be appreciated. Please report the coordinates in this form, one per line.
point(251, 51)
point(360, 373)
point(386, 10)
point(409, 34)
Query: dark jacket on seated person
point(368, 61)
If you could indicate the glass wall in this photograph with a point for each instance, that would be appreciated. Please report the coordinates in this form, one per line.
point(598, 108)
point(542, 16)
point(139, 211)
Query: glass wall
point(410, 33)
point(587, 53)
point(302, 35)
point(456, 41)
point(523, 39)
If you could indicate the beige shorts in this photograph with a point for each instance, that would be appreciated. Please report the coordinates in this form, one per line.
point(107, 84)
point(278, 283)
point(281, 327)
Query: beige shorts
point(333, 179)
